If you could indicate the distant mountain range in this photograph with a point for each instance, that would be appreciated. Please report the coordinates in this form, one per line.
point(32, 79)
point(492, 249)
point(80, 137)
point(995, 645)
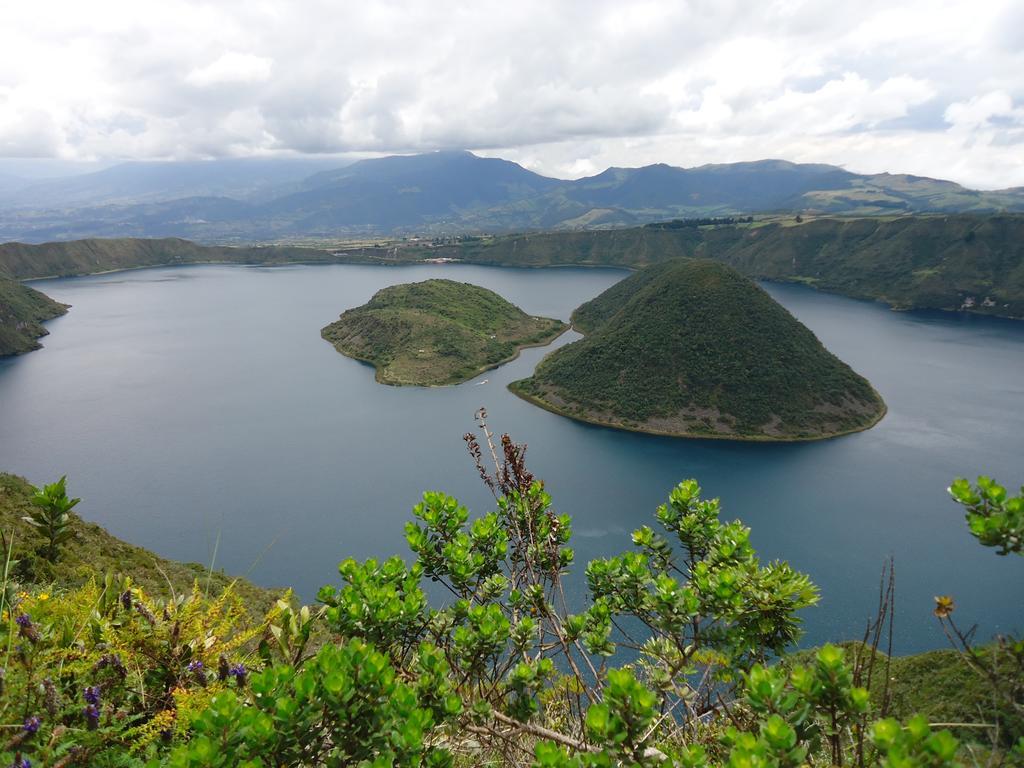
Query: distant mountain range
point(443, 193)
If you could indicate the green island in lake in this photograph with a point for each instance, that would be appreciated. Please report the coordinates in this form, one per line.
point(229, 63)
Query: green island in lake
point(437, 332)
point(691, 348)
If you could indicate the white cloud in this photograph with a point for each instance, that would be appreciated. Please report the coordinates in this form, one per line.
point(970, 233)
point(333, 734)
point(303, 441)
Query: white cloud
point(983, 112)
point(925, 86)
point(232, 67)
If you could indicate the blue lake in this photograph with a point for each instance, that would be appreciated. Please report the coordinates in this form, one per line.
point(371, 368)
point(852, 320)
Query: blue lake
point(195, 403)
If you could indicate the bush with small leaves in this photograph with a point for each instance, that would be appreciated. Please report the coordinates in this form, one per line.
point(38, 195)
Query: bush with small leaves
point(995, 519)
point(914, 745)
point(780, 721)
point(345, 706)
point(700, 607)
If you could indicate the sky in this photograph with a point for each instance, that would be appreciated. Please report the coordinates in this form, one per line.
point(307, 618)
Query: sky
point(565, 88)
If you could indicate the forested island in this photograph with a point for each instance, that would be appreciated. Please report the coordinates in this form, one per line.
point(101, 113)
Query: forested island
point(691, 348)
point(437, 332)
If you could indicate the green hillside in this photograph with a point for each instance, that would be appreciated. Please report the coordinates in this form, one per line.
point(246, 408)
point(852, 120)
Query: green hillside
point(22, 311)
point(692, 348)
point(436, 332)
point(92, 552)
point(964, 262)
point(84, 257)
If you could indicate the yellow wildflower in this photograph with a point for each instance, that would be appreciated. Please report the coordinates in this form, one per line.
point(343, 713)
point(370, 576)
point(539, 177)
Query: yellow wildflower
point(943, 606)
point(44, 596)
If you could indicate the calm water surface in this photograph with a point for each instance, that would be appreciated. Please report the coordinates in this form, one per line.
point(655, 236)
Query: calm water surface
point(193, 402)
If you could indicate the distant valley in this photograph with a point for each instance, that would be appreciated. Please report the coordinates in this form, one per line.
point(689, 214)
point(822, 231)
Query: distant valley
point(245, 201)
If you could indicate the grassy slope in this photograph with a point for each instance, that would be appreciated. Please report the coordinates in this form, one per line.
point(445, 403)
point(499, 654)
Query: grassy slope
point(436, 332)
point(937, 684)
point(22, 311)
point(692, 348)
point(93, 552)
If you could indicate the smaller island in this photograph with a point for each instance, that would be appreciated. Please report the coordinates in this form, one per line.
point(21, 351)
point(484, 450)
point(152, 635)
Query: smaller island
point(437, 332)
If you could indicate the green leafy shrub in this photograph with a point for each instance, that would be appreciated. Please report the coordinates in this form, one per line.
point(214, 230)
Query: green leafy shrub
point(346, 706)
point(995, 519)
point(50, 514)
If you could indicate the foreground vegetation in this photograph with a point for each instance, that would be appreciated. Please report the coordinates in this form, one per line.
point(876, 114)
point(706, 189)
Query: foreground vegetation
point(669, 663)
point(437, 332)
point(692, 348)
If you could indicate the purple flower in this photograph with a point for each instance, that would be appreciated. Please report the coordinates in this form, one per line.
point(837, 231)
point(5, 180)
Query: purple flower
point(26, 628)
point(126, 600)
point(21, 762)
point(111, 661)
point(31, 724)
point(51, 697)
point(92, 716)
point(92, 695)
point(198, 671)
point(240, 674)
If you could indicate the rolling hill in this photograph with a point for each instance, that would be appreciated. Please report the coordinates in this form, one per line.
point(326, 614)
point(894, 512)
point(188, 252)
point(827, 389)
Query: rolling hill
point(436, 332)
point(446, 192)
point(691, 348)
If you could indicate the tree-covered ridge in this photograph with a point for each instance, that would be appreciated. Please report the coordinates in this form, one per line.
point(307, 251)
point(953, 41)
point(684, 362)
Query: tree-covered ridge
point(436, 332)
point(85, 257)
point(959, 262)
point(692, 348)
point(22, 312)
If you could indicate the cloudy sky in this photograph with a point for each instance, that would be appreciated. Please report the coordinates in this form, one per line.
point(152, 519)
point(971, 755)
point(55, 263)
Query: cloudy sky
point(565, 88)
